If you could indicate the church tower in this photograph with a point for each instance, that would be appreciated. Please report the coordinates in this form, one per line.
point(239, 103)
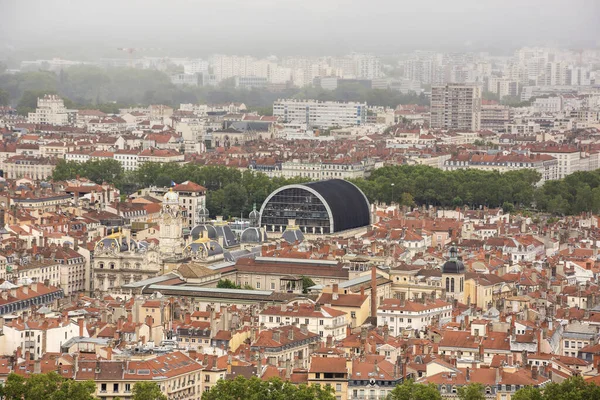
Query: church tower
point(453, 276)
point(171, 225)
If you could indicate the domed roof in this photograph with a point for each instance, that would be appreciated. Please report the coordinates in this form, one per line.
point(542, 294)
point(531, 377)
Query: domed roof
point(254, 213)
point(253, 235)
point(210, 230)
point(206, 247)
point(203, 211)
point(453, 265)
point(225, 232)
point(171, 197)
point(118, 242)
point(292, 235)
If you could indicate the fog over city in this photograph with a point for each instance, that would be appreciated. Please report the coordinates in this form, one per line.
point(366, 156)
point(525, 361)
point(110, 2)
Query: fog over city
point(308, 27)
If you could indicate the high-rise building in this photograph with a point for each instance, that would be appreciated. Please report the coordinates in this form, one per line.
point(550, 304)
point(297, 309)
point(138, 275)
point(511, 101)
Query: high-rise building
point(321, 114)
point(456, 106)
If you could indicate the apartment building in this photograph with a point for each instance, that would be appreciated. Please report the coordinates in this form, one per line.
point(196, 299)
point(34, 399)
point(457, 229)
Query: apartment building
point(39, 336)
point(321, 114)
point(456, 106)
point(546, 165)
point(400, 314)
point(50, 110)
point(36, 168)
point(569, 157)
point(177, 375)
point(494, 117)
point(286, 344)
point(322, 320)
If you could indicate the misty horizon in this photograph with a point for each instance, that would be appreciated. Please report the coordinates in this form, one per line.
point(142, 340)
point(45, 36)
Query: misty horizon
point(183, 28)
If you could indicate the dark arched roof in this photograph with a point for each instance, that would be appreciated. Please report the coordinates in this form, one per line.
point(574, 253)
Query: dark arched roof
point(348, 204)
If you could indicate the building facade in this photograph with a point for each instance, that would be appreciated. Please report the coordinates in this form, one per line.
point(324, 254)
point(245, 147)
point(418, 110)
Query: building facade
point(456, 107)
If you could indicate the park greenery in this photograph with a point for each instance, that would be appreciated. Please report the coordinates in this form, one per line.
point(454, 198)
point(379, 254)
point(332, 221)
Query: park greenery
point(272, 389)
point(109, 89)
point(52, 386)
point(232, 192)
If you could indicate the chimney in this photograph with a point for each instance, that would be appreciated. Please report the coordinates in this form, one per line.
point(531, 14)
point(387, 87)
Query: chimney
point(374, 294)
point(468, 375)
point(329, 341)
point(276, 336)
point(76, 363)
point(81, 323)
point(109, 351)
point(334, 292)
point(534, 373)
point(386, 333)
point(37, 366)
point(291, 334)
point(188, 318)
point(303, 329)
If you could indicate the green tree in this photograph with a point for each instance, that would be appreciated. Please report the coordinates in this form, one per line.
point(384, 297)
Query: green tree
point(273, 389)
point(409, 390)
point(306, 283)
point(472, 391)
point(528, 393)
point(4, 97)
point(227, 284)
point(147, 391)
point(50, 386)
point(28, 101)
point(574, 388)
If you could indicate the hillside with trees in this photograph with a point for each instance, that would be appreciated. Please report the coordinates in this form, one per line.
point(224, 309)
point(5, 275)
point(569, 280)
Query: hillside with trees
point(108, 89)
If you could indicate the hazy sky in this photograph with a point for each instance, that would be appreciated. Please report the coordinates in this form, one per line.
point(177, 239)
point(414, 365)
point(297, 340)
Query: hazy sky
point(262, 27)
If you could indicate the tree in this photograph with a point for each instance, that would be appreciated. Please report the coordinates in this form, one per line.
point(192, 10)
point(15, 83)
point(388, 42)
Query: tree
point(50, 386)
point(4, 97)
point(472, 391)
point(273, 389)
point(306, 283)
point(409, 390)
point(147, 391)
point(528, 393)
point(227, 284)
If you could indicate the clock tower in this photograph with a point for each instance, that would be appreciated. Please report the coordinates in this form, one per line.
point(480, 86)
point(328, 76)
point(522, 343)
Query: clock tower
point(171, 226)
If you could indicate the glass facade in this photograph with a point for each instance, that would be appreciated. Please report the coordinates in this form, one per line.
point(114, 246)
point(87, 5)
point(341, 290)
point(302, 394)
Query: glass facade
point(296, 203)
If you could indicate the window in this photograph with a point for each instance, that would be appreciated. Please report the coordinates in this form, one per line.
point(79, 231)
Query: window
point(115, 387)
point(206, 378)
point(338, 387)
point(103, 388)
point(258, 285)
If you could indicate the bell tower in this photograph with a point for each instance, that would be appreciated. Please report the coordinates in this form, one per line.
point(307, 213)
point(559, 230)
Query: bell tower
point(171, 225)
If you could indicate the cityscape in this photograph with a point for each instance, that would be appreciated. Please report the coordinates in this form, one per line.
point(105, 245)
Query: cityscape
point(317, 212)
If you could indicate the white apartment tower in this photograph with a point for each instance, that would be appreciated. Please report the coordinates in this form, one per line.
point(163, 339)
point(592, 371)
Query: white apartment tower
point(321, 114)
point(456, 107)
point(50, 110)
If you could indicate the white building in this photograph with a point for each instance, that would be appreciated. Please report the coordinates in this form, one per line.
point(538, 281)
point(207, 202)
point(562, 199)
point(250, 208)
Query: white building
point(37, 337)
point(400, 314)
point(322, 320)
point(50, 110)
point(127, 158)
point(321, 114)
point(548, 105)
